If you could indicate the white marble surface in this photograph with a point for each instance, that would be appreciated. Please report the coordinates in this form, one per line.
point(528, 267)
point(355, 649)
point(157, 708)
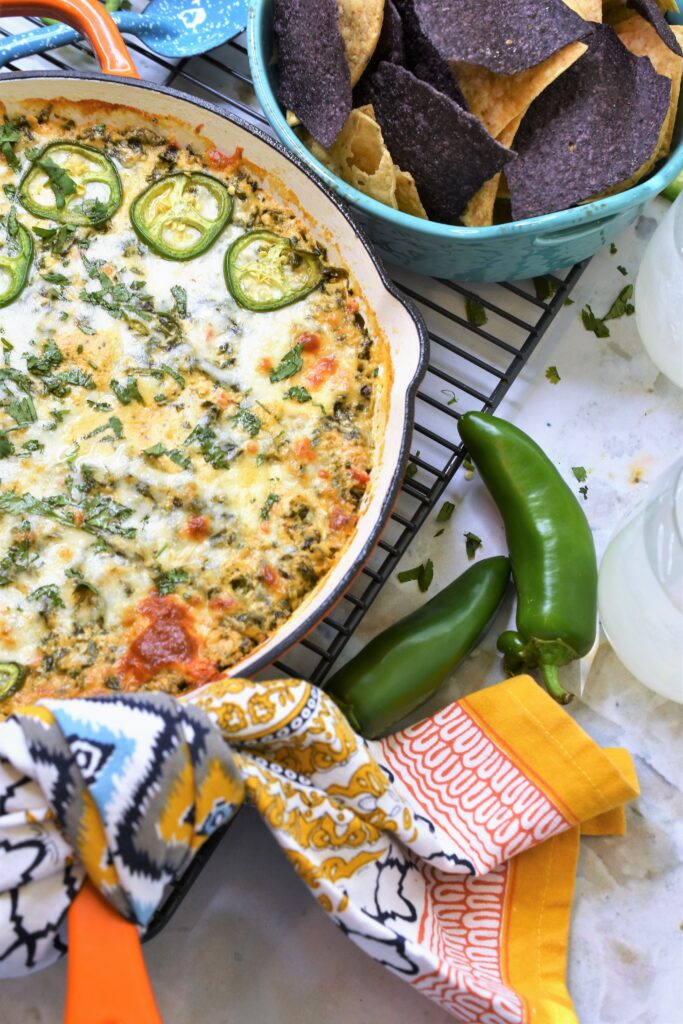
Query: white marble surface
point(251, 945)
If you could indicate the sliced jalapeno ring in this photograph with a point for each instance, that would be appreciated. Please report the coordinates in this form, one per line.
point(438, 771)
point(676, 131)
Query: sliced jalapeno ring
point(16, 252)
point(12, 676)
point(181, 215)
point(263, 271)
point(72, 184)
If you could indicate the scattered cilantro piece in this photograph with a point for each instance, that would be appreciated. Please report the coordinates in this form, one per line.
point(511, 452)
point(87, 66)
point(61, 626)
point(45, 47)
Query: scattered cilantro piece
point(621, 305)
point(613, 249)
point(475, 312)
point(472, 544)
point(180, 297)
point(580, 473)
point(552, 375)
point(453, 399)
point(290, 364)
point(568, 302)
point(298, 394)
point(22, 411)
point(545, 287)
point(593, 323)
point(95, 210)
point(424, 574)
point(49, 359)
point(166, 582)
point(113, 423)
point(445, 512)
point(98, 514)
point(411, 468)
point(19, 558)
point(79, 582)
point(61, 183)
point(469, 467)
point(271, 500)
point(622, 270)
point(84, 327)
point(58, 240)
point(177, 377)
point(6, 446)
point(155, 451)
point(127, 392)
point(52, 277)
point(248, 421)
point(9, 137)
point(48, 596)
point(212, 452)
point(174, 454)
point(99, 406)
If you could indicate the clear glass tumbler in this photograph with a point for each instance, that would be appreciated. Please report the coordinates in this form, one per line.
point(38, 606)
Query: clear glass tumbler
point(640, 589)
point(659, 295)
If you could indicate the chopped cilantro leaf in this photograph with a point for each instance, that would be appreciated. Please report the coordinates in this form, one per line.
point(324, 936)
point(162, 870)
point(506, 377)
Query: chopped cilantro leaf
point(621, 305)
point(248, 421)
point(445, 512)
point(166, 582)
point(469, 467)
point(177, 377)
point(61, 183)
point(6, 446)
point(127, 392)
point(424, 574)
point(580, 473)
point(84, 327)
point(552, 375)
point(52, 277)
point(593, 323)
point(613, 249)
point(472, 544)
point(271, 500)
point(79, 582)
point(212, 452)
point(48, 596)
point(622, 270)
point(298, 394)
point(545, 287)
point(156, 451)
point(475, 312)
point(22, 411)
point(95, 210)
point(180, 297)
point(290, 364)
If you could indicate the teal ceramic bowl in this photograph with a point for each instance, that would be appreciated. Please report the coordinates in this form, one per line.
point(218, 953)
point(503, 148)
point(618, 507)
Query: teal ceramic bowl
point(503, 252)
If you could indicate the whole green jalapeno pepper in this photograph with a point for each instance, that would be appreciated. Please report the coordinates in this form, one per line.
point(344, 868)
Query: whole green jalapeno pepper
point(407, 663)
point(551, 549)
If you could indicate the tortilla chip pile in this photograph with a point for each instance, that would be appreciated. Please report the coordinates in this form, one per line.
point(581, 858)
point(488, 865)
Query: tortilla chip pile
point(478, 111)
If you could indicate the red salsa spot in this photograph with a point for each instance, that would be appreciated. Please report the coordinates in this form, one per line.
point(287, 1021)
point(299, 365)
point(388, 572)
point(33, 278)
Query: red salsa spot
point(167, 642)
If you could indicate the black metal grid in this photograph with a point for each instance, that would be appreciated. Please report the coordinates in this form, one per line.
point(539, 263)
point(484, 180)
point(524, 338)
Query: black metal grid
point(470, 367)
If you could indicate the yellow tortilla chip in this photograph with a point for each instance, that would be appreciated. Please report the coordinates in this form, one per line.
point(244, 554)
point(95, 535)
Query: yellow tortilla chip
point(362, 159)
point(479, 211)
point(407, 196)
point(360, 23)
point(590, 10)
point(498, 99)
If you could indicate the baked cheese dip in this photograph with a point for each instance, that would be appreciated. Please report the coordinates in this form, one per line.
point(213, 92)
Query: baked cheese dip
point(191, 397)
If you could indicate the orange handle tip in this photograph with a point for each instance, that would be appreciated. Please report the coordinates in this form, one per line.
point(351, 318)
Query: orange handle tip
point(88, 17)
point(107, 981)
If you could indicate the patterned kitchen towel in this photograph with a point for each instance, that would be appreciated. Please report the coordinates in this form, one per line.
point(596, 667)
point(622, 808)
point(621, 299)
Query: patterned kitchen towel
point(447, 851)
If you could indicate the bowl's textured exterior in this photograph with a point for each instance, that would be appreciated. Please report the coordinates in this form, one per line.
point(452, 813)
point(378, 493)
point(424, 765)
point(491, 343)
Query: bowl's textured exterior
point(503, 252)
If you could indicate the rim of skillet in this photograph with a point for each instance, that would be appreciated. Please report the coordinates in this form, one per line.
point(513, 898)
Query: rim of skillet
point(314, 616)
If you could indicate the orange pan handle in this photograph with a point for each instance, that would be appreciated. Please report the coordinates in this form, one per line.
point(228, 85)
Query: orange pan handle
point(88, 17)
point(106, 978)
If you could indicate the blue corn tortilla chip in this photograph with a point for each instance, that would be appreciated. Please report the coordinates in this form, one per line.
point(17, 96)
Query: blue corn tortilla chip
point(390, 46)
point(314, 75)
point(591, 129)
point(447, 150)
point(422, 58)
point(649, 10)
point(506, 36)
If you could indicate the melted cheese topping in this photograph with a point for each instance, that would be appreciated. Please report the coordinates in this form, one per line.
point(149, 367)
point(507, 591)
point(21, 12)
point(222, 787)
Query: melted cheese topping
point(166, 483)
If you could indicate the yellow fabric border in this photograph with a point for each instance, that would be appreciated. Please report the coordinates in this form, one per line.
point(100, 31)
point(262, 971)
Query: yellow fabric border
point(543, 740)
point(537, 911)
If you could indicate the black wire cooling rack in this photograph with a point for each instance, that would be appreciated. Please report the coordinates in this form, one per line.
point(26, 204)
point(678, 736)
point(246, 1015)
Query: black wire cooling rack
point(470, 367)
